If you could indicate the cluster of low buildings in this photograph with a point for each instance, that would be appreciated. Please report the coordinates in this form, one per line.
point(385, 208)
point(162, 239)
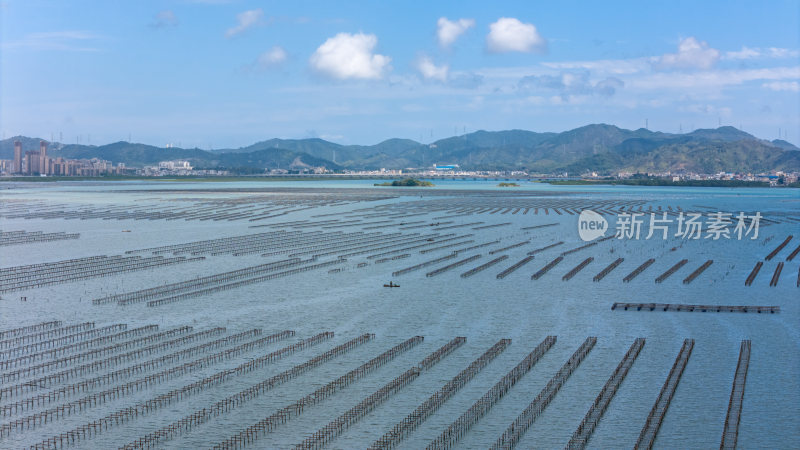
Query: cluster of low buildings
point(453, 170)
point(36, 163)
point(380, 172)
point(445, 170)
point(321, 170)
point(774, 177)
point(178, 168)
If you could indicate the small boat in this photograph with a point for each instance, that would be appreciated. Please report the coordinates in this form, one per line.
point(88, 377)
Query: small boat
point(391, 284)
point(126, 231)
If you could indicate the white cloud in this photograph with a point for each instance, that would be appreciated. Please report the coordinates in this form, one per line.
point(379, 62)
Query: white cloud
point(770, 52)
point(510, 35)
point(246, 20)
point(272, 57)
point(692, 54)
point(431, 71)
point(744, 53)
point(791, 86)
point(448, 31)
point(350, 56)
point(773, 52)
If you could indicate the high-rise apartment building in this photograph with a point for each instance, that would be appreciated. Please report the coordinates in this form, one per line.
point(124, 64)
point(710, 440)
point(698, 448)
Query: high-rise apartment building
point(17, 157)
point(43, 162)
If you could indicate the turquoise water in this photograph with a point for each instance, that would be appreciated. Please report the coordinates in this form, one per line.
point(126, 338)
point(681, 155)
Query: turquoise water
point(481, 308)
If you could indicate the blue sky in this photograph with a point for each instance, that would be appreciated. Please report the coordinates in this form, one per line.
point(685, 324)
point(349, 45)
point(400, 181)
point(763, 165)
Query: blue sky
point(216, 73)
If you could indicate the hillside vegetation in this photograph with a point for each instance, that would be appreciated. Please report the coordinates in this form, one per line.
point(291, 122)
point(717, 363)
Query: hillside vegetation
point(599, 148)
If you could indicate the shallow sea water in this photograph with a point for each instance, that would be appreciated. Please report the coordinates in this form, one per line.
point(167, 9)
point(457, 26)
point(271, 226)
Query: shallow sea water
point(481, 308)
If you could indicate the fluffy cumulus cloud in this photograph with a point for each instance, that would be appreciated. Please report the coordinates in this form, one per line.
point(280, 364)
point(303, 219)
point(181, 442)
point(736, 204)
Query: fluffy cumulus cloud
point(692, 54)
point(272, 57)
point(571, 84)
point(245, 21)
point(510, 35)
point(164, 19)
point(448, 31)
point(350, 56)
point(430, 71)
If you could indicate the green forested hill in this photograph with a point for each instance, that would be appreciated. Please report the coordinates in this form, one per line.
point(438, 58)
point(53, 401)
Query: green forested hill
point(599, 147)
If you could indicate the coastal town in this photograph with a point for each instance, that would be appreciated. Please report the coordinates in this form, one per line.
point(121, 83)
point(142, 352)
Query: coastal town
point(30, 163)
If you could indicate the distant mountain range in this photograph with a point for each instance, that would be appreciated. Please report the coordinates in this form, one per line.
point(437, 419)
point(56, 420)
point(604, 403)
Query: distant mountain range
point(600, 148)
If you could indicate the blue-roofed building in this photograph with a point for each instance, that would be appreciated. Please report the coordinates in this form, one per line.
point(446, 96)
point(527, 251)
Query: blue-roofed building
point(445, 168)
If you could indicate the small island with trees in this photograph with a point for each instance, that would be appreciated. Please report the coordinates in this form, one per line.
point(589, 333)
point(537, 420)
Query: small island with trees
point(408, 182)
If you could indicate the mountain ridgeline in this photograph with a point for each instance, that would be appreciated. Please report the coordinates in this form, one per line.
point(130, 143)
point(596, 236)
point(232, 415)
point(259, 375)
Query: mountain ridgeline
point(601, 148)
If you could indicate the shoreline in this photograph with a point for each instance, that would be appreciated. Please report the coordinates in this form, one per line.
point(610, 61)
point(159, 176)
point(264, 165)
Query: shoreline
point(582, 182)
